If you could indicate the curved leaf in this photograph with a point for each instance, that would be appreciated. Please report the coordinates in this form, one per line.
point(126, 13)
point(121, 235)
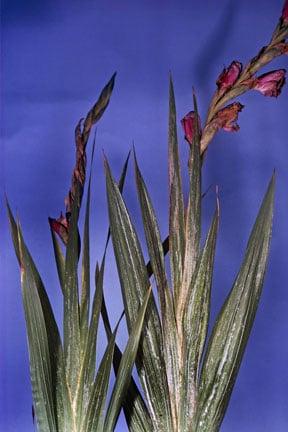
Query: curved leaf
point(134, 283)
point(176, 217)
point(169, 328)
point(125, 368)
point(232, 329)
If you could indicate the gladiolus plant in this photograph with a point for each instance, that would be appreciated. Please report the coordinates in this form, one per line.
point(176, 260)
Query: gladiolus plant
point(186, 378)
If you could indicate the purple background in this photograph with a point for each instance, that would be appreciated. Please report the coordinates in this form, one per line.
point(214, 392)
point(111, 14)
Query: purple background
point(57, 55)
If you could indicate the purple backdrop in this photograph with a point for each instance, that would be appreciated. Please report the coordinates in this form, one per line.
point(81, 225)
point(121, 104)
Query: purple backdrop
point(57, 55)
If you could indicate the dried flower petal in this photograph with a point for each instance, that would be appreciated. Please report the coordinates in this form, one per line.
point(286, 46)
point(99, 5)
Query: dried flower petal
point(225, 119)
point(188, 124)
point(271, 83)
point(229, 76)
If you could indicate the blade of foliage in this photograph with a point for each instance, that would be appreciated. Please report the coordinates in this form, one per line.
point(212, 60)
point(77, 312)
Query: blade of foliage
point(231, 331)
point(40, 365)
point(125, 368)
point(60, 392)
point(176, 217)
point(134, 284)
point(193, 218)
point(121, 187)
point(85, 291)
point(195, 322)
point(134, 407)
point(94, 323)
point(155, 248)
point(59, 258)
point(94, 418)
point(87, 369)
point(71, 324)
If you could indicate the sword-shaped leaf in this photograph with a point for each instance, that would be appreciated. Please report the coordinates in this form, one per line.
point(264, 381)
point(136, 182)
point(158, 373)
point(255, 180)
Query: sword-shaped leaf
point(71, 324)
point(59, 258)
point(193, 218)
point(94, 418)
point(232, 329)
point(40, 364)
point(176, 217)
point(169, 329)
point(195, 322)
point(134, 284)
point(85, 285)
point(125, 368)
point(134, 407)
point(60, 392)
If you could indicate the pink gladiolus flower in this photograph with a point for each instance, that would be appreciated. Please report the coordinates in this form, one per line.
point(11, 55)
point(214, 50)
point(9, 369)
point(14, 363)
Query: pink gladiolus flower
point(188, 124)
point(226, 118)
point(285, 12)
point(271, 83)
point(60, 226)
point(229, 76)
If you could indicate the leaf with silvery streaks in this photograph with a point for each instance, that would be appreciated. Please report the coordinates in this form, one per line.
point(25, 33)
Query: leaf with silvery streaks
point(193, 219)
point(195, 323)
point(94, 323)
point(134, 407)
point(176, 217)
point(94, 418)
point(125, 368)
point(155, 248)
point(40, 365)
point(231, 331)
point(60, 392)
point(59, 258)
point(134, 284)
point(85, 286)
point(71, 324)
point(121, 187)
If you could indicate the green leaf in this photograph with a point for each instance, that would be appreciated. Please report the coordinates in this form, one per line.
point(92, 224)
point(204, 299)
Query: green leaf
point(176, 217)
point(71, 324)
point(134, 407)
point(85, 291)
point(134, 284)
point(125, 368)
point(59, 258)
point(94, 418)
point(59, 388)
point(40, 364)
point(94, 323)
point(121, 187)
point(170, 336)
point(195, 323)
point(232, 329)
point(193, 219)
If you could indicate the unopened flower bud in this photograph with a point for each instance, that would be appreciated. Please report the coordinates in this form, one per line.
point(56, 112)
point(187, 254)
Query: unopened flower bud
point(189, 126)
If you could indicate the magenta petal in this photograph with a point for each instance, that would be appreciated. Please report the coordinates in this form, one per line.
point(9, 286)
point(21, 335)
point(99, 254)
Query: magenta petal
point(229, 76)
point(188, 124)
